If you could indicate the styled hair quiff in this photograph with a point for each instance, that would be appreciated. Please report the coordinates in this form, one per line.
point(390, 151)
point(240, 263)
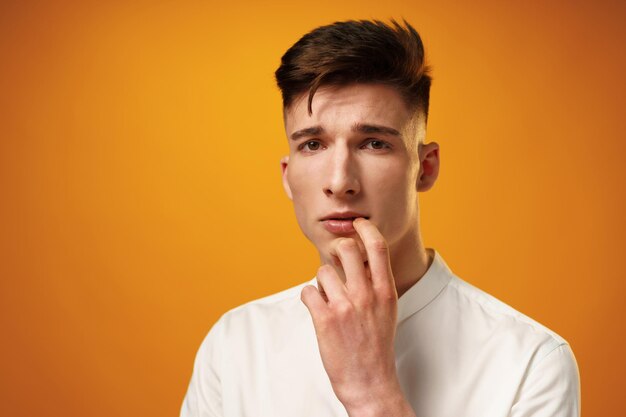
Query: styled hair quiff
point(354, 51)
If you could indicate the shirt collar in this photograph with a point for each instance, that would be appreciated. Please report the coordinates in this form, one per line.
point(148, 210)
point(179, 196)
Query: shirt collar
point(424, 290)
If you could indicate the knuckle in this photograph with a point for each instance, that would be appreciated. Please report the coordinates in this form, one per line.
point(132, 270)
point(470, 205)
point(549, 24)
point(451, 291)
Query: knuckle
point(343, 309)
point(379, 245)
point(365, 300)
point(346, 244)
point(324, 270)
point(387, 296)
point(322, 321)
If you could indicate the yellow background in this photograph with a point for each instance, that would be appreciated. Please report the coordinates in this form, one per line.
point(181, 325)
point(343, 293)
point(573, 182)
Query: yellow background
point(141, 199)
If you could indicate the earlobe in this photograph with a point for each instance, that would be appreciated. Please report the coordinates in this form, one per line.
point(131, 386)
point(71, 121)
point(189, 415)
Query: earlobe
point(284, 163)
point(429, 166)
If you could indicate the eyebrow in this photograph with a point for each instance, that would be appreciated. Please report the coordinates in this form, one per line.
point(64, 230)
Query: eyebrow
point(367, 129)
point(309, 131)
point(357, 127)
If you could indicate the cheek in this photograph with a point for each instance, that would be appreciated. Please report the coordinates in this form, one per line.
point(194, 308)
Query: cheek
point(302, 185)
point(396, 182)
point(304, 206)
point(299, 182)
point(304, 178)
point(394, 194)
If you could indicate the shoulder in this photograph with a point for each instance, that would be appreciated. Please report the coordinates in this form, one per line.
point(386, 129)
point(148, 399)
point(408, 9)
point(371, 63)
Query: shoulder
point(272, 310)
point(487, 313)
point(277, 301)
point(255, 320)
point(517, 348)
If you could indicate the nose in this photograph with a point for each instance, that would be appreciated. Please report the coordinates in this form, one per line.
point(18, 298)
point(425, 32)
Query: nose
point(342, 179)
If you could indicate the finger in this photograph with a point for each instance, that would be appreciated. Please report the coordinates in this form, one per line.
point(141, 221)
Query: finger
point(335, 257)
point(377, 253)
point(314, 302)
point(364, 255)
point(352, 262)
point(332, 285)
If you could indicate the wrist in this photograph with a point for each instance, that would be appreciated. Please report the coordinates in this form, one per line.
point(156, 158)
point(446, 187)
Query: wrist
point(390, 404)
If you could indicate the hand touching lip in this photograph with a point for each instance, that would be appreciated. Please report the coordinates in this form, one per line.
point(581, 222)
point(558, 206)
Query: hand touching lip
point(355, 319)
point(340, 223)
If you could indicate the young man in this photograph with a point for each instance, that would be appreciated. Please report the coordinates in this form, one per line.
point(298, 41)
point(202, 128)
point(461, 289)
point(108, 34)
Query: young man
point(385, 328)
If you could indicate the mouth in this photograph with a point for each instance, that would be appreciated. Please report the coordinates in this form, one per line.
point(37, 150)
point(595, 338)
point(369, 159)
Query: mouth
point(344, 216)
point(341, 224)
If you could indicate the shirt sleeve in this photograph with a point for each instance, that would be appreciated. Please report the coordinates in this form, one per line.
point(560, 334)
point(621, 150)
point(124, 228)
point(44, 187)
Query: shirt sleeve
point(204, 394)
point(552, 387)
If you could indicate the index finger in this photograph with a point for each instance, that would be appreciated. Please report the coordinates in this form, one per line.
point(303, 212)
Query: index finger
point(377, 253)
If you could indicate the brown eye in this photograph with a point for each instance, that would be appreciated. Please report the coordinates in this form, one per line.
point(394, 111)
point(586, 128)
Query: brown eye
point(312, 145)
point(377, 144)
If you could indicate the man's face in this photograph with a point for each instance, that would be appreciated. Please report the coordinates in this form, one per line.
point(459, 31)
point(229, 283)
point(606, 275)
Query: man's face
point(357, 154)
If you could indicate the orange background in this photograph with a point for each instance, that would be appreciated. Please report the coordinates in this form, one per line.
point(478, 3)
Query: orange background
point(141, 197)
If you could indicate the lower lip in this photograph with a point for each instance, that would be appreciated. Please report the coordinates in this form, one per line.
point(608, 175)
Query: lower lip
point(339, 227)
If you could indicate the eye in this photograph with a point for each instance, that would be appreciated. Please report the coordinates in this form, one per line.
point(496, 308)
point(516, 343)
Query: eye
point(377, 144)
point(310, 145)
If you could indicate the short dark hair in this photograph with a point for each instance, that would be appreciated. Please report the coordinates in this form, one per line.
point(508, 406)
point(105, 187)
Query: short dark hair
point(357, 51)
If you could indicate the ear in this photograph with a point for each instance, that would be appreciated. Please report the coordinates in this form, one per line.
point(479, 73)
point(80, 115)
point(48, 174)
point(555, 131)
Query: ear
point(429, 165)
point(284, 162)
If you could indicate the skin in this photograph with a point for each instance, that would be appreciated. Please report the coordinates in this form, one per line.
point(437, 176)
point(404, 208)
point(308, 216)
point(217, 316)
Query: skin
point(333, 166)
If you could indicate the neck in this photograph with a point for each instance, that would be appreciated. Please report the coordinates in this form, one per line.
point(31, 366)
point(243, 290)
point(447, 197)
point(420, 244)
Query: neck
point(409, 261)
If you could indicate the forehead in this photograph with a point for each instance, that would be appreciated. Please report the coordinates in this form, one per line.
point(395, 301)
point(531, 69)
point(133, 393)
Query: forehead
point(340, 107)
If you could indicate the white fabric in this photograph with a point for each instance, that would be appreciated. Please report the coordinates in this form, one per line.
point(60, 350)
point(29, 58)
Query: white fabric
point(459, 352)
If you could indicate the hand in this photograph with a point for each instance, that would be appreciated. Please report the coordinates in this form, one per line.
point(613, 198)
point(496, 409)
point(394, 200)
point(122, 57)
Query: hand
point(355, 323)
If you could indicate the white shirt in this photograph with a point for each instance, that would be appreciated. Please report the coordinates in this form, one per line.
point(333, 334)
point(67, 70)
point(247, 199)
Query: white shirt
point(459, 353)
